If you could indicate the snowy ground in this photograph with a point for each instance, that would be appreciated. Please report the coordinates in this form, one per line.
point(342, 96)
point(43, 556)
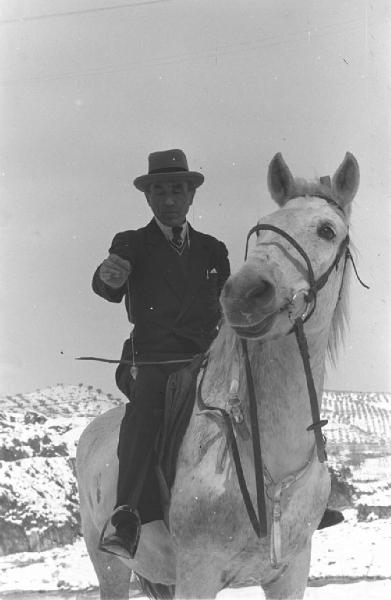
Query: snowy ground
point(350, 561)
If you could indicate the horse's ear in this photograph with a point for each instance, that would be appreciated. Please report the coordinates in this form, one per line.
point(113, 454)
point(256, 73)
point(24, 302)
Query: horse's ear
point(346, 181)
point(279, 180)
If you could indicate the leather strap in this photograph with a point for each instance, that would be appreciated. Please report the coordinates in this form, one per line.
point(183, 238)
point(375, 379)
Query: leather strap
point(258, 522)
point(256, 442)
point(317, 423)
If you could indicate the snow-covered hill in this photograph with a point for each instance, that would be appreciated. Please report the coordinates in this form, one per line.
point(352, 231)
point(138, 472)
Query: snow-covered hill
point(39, 433)
point(38, 437)
point(359, 420)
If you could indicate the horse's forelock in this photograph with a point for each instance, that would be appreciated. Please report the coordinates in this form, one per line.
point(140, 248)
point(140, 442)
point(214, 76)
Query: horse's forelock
point(316, 188)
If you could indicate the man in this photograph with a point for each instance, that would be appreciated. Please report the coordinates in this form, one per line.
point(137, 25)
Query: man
point(171, 277)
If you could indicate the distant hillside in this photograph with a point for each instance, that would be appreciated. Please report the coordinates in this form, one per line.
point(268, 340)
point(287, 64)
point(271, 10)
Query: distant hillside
point(360, 420)
point(39, 433)
point(62, 400)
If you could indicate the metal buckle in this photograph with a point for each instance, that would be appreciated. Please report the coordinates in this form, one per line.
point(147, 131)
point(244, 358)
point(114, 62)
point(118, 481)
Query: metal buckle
point(293, 317)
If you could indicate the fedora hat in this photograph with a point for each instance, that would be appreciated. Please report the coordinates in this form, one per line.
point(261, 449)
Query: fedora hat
point(167, 165)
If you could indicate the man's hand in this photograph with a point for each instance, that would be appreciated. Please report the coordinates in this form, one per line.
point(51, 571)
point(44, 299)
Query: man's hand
point(114, 271)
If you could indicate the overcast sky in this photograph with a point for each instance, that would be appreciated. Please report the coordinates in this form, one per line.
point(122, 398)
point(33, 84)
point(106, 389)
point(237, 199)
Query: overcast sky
point(90, 87)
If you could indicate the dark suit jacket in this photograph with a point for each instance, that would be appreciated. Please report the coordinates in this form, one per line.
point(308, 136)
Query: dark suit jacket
point(173, 301)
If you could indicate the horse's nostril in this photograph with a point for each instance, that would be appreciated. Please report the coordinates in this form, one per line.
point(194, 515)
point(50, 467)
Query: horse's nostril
point(262, 291)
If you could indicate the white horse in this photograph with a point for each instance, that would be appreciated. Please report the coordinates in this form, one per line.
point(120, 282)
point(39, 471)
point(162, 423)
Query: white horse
point(294, 274)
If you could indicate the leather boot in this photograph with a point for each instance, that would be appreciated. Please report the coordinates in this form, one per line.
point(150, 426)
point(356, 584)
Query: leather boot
point(125, 540)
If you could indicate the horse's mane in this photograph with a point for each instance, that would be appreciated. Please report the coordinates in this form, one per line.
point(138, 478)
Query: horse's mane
point(340, 318)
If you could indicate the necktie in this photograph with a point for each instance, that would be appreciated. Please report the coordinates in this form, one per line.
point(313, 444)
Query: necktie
point(176, 237)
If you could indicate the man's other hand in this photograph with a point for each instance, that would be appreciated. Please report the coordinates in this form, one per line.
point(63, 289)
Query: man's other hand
point(114, 271)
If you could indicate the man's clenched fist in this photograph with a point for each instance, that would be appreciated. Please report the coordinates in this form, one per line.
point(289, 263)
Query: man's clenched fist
point(114, 271)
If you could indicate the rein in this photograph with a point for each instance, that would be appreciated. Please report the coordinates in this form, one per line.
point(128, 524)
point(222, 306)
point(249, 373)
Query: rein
point(137, 363)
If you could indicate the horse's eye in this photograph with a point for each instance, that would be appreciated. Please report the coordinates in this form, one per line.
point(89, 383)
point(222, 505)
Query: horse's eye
point(326, 232)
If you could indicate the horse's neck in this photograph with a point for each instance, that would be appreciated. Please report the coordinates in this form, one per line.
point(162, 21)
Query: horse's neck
point(283, 401)
point(282, 397)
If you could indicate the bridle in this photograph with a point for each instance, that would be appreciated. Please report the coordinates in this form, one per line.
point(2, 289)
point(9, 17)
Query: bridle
point(310, 297)
point(258, 517)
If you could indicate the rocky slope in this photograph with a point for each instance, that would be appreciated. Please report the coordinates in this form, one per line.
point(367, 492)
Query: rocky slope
point(38, 491)
point(39, 433)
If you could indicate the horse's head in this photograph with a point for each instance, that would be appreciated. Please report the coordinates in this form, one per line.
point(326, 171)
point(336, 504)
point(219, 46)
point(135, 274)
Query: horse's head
point(296, 255)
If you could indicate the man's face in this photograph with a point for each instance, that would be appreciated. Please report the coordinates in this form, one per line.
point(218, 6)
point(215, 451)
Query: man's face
point(170, 201)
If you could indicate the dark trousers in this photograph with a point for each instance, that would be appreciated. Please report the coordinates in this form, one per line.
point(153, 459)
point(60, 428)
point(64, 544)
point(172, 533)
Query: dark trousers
point(137, 482)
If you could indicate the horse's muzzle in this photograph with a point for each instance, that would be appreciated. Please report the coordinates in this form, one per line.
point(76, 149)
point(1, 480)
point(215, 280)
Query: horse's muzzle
point(248, 298)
